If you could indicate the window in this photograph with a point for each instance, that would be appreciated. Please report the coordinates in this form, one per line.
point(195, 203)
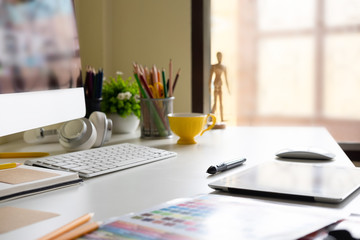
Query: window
point(290, 62)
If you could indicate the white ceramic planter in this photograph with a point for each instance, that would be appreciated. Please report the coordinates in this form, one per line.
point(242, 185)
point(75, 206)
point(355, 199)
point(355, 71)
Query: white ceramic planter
point(124, 125)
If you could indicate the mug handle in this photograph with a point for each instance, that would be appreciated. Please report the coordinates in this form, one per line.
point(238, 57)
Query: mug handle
point(212, 125)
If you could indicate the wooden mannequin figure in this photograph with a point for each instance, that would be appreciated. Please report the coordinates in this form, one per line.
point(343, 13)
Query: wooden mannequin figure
point(218, 69)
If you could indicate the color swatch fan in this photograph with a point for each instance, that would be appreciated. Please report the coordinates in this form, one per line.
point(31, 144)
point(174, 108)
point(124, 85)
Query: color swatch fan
point(215, 217)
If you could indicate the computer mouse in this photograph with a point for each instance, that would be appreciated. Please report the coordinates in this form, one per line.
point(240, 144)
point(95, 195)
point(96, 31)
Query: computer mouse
point(305, 153)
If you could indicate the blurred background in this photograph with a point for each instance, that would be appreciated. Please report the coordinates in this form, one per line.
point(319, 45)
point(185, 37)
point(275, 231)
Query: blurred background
point(290, 62)
point(39, 46)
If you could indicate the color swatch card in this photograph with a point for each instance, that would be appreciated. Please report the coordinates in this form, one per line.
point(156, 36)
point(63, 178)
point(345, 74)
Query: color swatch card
point(216, 217)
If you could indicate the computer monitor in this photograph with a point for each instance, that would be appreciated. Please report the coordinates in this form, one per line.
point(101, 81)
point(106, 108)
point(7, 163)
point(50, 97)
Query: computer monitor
point(40, 68)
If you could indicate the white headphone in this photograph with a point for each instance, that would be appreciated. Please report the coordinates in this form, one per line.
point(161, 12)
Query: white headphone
point(76, 135)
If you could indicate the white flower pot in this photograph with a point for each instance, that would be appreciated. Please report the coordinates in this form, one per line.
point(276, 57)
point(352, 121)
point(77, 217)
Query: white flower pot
point(124, 125)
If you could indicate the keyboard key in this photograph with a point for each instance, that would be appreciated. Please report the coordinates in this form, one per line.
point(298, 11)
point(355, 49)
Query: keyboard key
point(61, 164)
point(70, 166)
point(80, 168)
point(85, 171)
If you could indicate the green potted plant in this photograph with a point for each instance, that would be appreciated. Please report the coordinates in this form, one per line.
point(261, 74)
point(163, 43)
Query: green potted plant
point(121, 103)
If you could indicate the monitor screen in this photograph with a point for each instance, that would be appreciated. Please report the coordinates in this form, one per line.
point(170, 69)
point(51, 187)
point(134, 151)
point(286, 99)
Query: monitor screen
point(40, 67)
point(40, 47)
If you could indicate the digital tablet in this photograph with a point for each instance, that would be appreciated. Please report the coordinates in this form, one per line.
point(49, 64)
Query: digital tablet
point(303, 181)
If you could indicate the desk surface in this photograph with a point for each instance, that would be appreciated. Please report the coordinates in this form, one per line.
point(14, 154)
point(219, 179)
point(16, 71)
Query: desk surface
point(141, 187)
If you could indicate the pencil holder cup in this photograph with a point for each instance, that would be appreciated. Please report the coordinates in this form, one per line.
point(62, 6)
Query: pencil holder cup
point(92, 105)
point(154, 122)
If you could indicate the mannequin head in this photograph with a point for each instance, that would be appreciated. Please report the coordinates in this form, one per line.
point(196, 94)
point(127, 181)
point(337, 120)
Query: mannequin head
point(219, 56)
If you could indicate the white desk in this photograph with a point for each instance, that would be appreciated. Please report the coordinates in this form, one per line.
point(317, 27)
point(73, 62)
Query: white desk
point(144, 186)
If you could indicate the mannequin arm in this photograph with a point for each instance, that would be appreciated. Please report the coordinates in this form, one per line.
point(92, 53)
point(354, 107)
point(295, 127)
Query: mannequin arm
point(226, 80)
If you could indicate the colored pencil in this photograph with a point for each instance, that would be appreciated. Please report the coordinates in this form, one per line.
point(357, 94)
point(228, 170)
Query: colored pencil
point(170, 80)
point(134, 65)
point(161, 91)
point(154, 71)
point(144, 95)
point(68, 227)
point(9, 165)
point(80, 231)
point(100, 83)
point(146, 87)
point(93, 83)
point(164, 83)
point(147, 75)
point(23, 154)
point(143, 83)
point(142, 70)
point(176, 79)
point(93, 77)
point(157, 80)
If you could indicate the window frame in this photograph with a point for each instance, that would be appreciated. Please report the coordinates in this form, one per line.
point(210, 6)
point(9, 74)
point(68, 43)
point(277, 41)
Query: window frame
point(201, 65)
point(200, 55)
point(339, 127)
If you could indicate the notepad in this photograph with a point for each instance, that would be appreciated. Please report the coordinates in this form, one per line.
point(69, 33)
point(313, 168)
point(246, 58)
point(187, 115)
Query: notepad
point(27, 180)
point(22, 175)
point(11, 220)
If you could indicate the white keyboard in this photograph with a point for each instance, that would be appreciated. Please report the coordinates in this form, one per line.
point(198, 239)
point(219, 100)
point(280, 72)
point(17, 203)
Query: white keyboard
point(98, 161)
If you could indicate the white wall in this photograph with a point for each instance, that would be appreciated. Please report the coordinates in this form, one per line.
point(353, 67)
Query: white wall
point(115, 33)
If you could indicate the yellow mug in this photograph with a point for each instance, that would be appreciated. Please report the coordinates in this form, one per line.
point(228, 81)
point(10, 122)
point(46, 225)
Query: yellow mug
point(188, 125)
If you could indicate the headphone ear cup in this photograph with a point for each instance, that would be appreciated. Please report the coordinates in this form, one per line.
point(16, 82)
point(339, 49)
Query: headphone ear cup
point(108, 130)
point(102, 126)
point(76, 135)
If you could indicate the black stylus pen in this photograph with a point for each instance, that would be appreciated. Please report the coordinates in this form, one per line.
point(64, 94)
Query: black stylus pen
point(225, 166)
